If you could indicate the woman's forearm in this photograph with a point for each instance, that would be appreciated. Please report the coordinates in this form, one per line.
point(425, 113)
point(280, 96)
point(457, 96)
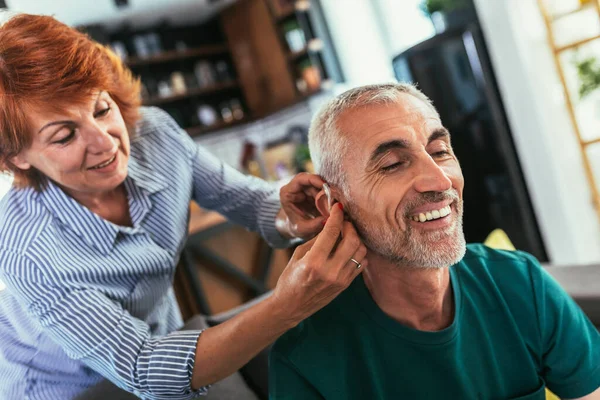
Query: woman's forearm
point(225, 348)
point(315, 275)
point(282, 224)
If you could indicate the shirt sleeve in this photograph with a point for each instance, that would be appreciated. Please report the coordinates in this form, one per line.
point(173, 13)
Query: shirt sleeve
point(570, 342)
point(97, 331)
point(243, 199)
point(285, 381)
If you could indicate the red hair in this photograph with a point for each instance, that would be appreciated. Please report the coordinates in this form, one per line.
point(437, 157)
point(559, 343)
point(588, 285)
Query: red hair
point(47, 65)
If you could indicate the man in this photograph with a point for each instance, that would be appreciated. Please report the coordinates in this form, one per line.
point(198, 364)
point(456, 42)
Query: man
point(429, 318)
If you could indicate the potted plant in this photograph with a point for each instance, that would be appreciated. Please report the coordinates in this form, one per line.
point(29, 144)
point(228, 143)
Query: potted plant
point(448, 14)
point(588, 71)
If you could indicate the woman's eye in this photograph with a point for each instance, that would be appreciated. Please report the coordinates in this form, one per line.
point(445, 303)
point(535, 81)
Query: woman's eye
point(67, 138)
point(102, 112)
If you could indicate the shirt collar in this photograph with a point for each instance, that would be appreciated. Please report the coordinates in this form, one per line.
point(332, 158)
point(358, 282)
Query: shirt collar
point(141, 171)
point(95, 230)
point(90, 227)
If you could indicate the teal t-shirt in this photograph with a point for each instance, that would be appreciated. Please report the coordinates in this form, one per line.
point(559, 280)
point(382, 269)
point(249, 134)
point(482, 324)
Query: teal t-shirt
point(515, 331)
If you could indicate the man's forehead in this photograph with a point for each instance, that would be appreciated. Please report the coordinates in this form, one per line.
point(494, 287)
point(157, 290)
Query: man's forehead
point(407, 118)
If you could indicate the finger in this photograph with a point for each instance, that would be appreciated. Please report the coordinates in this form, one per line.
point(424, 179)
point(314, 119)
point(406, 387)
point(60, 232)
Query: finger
point(312, 180)
point(329, 235)
point(360, 254)
point(354, 272)
point(304, 248)
point(304, 213)
point(311, 226)
point(311, 191)
point(348, 246)
point(305, 180)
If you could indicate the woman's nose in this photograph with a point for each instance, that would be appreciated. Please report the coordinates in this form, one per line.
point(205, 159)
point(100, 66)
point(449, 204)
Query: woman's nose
point(99, 140)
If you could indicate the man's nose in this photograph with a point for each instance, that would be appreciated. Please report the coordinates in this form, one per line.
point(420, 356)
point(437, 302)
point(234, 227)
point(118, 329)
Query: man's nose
point(431, 177)
point(98, 139)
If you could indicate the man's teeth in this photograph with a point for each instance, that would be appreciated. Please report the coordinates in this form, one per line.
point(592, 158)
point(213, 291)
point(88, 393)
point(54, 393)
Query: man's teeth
point(104, 164)
point(431, 215)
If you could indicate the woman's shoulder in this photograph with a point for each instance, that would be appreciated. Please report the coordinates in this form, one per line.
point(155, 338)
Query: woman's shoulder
point(154, 121)
point(22, 219)
point(158, 135)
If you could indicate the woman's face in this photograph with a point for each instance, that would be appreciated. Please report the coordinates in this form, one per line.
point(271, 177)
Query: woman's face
point(84, 149)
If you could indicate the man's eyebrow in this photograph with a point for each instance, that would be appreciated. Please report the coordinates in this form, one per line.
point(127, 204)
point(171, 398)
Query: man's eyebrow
point(439, 133)
point(386, 146)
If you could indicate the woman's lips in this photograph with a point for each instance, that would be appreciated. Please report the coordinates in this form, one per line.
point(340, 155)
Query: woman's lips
point(105, 165)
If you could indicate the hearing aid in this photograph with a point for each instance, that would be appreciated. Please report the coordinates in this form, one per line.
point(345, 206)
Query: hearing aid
point(327, 191)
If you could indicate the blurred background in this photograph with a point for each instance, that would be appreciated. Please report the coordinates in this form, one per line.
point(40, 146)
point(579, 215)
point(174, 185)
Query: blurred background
point(517, 83)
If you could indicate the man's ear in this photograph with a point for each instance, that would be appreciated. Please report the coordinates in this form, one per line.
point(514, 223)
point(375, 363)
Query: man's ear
point(322, 203)
point(20, 162)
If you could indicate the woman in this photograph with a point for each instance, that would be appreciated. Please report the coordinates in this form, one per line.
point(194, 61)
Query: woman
point(92, 230)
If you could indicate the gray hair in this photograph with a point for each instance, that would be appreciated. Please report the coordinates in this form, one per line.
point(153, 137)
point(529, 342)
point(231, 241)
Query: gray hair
point(327, 143)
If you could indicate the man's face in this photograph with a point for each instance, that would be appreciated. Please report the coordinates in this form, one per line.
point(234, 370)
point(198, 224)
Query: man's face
point(405, 183)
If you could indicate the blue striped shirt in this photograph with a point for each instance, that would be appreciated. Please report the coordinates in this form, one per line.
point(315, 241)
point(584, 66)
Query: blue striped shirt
point(87, 299)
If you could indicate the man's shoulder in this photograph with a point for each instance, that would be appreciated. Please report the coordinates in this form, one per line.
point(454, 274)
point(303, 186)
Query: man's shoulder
point(317, 331)
point(480, 259)
point(514, 276)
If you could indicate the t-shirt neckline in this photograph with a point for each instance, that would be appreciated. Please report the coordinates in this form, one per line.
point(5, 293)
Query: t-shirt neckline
point(366, 303)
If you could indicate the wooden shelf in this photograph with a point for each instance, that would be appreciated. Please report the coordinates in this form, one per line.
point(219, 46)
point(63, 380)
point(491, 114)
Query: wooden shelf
point(576, 44)
point(297, 54)
point(292, 9)
point(173, 55)
point(200, 130)
point(285, 14)
point(154, 101)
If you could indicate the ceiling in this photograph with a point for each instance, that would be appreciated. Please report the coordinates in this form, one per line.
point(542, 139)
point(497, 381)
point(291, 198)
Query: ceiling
point(137, 13)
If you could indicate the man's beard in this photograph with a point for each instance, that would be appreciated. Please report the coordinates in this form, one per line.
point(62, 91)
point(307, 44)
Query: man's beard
point(414, 248)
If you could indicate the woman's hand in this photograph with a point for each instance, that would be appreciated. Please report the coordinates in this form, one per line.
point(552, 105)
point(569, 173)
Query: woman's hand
point(299, 218)
point(320, 269)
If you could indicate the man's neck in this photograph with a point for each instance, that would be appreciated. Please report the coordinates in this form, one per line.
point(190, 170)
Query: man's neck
point(420, 298)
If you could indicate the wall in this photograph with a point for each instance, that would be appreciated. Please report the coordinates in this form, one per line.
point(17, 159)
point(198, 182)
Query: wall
point(359, 42)
point(546, 145)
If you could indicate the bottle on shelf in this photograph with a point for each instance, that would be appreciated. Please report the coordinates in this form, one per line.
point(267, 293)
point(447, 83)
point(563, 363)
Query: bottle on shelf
point(226, 113)
point(164, 89)
point(294, 36)
point(178, 83)
point(236, 109)
point(207, 116)
point(205, 74)
point(310, 75)
point(223, 72)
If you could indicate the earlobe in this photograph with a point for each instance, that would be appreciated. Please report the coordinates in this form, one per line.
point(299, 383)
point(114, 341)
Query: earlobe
point(19, 162)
